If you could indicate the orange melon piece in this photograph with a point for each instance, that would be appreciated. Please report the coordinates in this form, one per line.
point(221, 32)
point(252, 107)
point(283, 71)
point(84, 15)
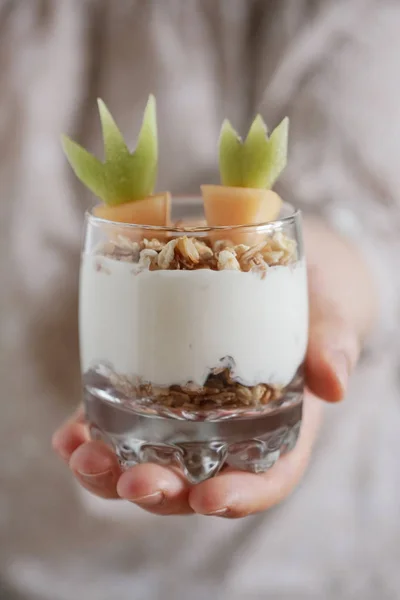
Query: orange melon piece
point(239, 206)
point(153, 210)
point(229, 206)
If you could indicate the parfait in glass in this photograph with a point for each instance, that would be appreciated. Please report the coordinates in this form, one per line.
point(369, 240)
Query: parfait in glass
point(193, 311)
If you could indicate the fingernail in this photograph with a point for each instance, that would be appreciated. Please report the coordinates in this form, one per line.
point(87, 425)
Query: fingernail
point(102, 479)
point(149, 500)
point(221, 512)
point(340, 364)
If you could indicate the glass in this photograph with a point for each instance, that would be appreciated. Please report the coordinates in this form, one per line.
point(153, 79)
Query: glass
point(193, 340)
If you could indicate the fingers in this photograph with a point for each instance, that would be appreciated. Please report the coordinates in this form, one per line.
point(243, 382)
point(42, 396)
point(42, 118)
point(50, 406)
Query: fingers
point(334, 343)
point(157, 489)
point(235, 494)
point(332, 354)
point(94, 465)
point(97, 469)
point(164, 491)
point(70, 436)
point(232, 493)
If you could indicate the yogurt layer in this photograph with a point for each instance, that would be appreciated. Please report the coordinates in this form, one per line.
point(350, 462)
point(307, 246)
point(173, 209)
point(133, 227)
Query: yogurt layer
point(174, 326)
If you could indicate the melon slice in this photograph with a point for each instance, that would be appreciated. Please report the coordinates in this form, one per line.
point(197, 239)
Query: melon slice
point(229, 206)
point(153, 210)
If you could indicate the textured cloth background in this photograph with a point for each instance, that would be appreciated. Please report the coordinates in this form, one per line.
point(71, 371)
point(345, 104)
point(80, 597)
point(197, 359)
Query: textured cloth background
point(332, 66)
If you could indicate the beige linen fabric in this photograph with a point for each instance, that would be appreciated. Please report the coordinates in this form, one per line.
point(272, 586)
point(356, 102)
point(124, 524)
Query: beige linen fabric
point(332, 66)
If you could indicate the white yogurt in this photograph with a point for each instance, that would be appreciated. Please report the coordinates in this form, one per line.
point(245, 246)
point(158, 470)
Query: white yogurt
point(171, 327)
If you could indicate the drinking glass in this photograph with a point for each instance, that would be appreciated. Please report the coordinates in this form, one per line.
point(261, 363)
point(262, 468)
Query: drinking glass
point(193, 339)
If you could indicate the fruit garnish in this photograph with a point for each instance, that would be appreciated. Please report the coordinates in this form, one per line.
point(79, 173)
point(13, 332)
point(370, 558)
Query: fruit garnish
point(256, 162)
point(248, 171)
point(153, 210)
point(228, 206)
point(124, 176)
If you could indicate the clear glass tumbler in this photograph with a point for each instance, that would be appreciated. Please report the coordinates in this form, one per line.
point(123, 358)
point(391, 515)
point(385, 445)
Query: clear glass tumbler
point(193, 340)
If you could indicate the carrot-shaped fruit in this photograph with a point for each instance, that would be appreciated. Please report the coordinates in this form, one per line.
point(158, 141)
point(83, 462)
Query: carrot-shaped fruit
point(248, 171)
point(125, 181)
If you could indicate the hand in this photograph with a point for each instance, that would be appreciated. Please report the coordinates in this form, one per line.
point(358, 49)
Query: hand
point(335, 331)
point(164, 491)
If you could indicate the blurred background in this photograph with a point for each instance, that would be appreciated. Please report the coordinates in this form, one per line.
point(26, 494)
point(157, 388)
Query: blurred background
point(332, 66)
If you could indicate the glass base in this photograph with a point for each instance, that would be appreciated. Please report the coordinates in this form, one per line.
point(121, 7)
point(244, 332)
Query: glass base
point(199, 448)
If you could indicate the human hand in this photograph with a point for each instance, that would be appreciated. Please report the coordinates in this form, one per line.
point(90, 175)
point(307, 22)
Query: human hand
point(335, 333)
point(164, 491)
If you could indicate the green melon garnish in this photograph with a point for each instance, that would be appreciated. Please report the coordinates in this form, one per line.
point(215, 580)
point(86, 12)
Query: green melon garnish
point(256, 162)
point(124, 176)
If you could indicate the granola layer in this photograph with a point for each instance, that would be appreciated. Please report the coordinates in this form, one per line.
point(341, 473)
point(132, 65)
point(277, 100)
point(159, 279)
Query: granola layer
point(191, 253)
point(219, 391)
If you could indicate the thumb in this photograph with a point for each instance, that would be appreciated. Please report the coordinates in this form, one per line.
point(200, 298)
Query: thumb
point(333, 351)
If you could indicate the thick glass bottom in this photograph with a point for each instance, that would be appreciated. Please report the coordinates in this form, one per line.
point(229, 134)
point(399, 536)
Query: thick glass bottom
point(199, 447)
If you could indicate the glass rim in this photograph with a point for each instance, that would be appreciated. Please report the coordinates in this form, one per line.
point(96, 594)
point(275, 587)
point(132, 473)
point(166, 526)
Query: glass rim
point(275, 224)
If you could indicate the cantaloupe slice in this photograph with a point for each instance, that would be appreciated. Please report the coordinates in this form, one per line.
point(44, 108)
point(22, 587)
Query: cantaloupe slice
point(153, 210)
point(229, 206)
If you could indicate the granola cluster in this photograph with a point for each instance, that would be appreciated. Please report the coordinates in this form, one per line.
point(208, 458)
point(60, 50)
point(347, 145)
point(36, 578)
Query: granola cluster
point(191, 253)
point(219, 391)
